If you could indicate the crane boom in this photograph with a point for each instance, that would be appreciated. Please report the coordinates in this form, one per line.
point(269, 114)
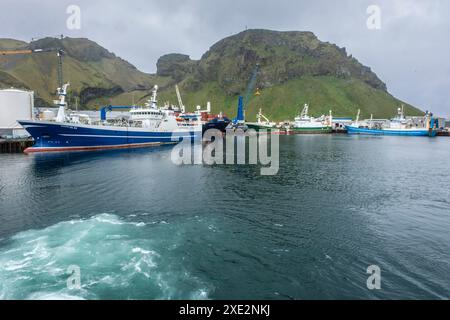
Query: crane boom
point(59, 53)
point(251, 85)
point(180, 102)
point(243, 103)
point(13, 52)
point(60, 68)
point(28, 51)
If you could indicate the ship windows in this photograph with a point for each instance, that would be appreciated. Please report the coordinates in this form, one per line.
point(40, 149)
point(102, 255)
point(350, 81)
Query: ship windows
point(148, 113)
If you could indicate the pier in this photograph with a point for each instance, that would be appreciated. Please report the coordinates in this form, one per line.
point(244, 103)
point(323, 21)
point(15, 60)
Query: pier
point(14, 145)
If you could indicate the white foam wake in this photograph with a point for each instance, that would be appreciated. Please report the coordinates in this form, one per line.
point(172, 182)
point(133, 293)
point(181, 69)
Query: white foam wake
point(118, 259)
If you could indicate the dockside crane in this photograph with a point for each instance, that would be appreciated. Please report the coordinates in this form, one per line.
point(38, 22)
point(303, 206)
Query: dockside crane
point(59, 53)
point(251, 85)
point(243, 103)
point(180, 102)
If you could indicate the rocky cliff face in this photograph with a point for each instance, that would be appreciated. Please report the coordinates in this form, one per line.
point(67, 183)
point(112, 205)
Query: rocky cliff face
point(282, 56)
point(295, 68)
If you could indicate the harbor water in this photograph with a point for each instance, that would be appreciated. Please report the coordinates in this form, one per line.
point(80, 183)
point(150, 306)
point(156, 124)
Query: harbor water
point(140, 227)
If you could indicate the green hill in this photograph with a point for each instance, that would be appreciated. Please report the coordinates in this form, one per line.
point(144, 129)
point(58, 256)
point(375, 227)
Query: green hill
point(92, 71)
point(295, 68)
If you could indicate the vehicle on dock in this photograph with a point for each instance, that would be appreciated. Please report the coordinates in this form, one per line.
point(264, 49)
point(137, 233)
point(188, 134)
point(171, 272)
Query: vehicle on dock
point(304, 124)
point(149, 125)
point(397, 126)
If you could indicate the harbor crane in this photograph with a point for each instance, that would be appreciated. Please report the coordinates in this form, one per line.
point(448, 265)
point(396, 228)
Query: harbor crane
point(180, 102)
point(243, 103)
point(199, 110)
point(251, 85)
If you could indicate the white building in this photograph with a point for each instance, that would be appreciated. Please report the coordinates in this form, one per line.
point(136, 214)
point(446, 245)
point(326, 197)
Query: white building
point(15, 105)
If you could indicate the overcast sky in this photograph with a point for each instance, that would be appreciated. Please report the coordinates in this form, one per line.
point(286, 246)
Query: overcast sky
point(410, 52)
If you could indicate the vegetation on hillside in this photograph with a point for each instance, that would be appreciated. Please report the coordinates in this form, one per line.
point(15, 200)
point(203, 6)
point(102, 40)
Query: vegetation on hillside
point(294, 68)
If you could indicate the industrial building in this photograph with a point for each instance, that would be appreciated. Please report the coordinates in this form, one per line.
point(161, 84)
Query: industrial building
point(15, 105)
point(440, 123)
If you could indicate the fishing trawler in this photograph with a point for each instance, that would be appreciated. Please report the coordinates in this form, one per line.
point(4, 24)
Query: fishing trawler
point(262, 123)
point(208, 120)
point(304, 124)
point(218, 122)
point(397, 126)
point(149, 125)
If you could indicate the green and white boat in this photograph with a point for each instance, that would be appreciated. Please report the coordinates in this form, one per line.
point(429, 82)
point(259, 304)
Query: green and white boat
point(304, 124)
point(262, 123)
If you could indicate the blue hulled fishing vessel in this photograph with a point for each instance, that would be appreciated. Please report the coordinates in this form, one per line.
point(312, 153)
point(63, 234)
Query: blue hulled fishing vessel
point(398, 126)
point(147, 126)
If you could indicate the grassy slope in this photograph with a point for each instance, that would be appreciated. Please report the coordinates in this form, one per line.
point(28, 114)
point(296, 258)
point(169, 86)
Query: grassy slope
point(138, 96)
point(39, 72)
point(283, 102)
point(280, 102)
point(11, 44)
point(343, 97)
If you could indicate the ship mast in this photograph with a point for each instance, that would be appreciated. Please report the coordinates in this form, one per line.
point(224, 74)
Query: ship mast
point(304, 113)
point(61, 103)
point(357, 116)
point(153, 101)
point(260, 116)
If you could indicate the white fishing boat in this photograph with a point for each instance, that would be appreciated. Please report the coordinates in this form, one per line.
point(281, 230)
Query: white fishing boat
point(310, 125)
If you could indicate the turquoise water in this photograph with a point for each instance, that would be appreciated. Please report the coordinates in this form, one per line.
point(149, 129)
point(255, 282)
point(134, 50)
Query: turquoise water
point(140, 227)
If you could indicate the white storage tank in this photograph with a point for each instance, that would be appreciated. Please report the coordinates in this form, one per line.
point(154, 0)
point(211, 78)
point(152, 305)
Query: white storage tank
point(15, 105)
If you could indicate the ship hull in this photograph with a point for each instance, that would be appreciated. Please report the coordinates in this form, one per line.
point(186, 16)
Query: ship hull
point(392, 132)
point(51, 137)
point(263, 128)
point(258, 127)
point(311, 130)
point(217, 124)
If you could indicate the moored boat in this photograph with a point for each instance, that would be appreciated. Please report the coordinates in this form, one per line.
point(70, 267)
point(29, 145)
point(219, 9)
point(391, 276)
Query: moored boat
point(398, 126)
point(262, 123)
point(208, 121)
point(304, 124)
point(148, 126)
point(219, 122)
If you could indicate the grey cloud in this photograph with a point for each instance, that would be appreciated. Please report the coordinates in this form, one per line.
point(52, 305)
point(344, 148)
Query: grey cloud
point(409, 53)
